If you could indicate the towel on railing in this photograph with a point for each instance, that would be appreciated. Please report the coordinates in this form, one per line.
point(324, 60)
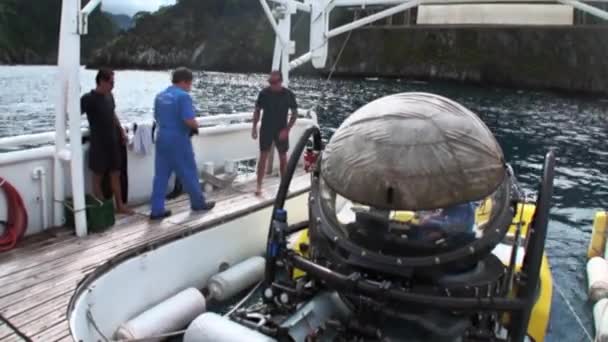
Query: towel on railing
point(143, 138)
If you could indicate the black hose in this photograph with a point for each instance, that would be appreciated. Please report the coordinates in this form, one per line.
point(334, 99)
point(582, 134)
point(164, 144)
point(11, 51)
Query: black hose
point(294, 228)
point(353, 284)
point(294, 159)
point(456, 329)
point(281, 196)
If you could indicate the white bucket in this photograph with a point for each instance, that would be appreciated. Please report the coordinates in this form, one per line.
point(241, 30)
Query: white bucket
point(597, 277)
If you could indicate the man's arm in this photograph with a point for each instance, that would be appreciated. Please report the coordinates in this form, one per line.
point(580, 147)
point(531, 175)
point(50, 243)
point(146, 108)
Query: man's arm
point(294, 111)
point(256, 115)
point(293, 118)
point(256, 119)
point(187, 113)
point(123, 134)
point(83, 104)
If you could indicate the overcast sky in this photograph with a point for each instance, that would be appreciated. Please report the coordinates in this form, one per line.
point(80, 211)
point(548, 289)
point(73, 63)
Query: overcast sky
point(131, 7)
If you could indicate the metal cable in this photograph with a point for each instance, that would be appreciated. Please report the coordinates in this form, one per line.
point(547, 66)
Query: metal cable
point(571, 308)
point(242, 301)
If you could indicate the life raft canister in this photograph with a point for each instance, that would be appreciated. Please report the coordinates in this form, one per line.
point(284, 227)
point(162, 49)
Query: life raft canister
point(16, 222)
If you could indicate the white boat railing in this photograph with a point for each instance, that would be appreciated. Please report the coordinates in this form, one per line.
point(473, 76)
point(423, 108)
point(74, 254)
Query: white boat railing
point(37, 139)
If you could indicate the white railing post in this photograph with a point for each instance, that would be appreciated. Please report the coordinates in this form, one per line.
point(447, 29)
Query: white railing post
point(319, 25)
point(285, 30)
point(278, 52)
point(69, 102)
point(60, 137)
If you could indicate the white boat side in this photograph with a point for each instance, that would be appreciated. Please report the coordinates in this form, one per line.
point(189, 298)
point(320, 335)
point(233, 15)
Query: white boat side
point(144, 277)
point(223, 138)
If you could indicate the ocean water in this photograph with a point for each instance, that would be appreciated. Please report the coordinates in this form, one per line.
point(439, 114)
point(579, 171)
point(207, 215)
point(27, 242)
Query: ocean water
point(526, 123)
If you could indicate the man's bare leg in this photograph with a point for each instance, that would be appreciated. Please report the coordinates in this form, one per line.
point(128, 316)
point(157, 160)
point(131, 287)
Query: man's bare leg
point(97, 190)
point(121, 208)
point(261, 171)
point(283, 163)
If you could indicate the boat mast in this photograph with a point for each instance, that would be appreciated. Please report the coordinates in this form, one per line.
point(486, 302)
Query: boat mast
point(67, 112)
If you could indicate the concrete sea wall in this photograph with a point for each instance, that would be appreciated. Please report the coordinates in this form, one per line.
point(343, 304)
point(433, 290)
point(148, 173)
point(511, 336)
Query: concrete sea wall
point(563, 58)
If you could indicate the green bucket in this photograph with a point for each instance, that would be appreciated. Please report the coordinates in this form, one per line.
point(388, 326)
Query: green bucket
point(100, 213)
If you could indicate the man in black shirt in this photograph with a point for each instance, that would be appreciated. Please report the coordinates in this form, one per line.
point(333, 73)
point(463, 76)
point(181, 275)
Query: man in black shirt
point(106, 137)
point(274, 101)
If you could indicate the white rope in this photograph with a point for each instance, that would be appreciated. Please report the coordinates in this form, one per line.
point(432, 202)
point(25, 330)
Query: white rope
point(578, 319)
point(333, 68)
point(240, 303)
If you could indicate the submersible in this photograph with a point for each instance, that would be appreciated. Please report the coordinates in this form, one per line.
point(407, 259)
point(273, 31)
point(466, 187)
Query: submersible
point(411, 209)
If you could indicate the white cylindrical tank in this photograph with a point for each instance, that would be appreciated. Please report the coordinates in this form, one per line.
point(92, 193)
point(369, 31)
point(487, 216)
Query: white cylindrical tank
point(600, 318)
point(170, 315)
point(211, 327)
point(237, 278)
point(597, 277)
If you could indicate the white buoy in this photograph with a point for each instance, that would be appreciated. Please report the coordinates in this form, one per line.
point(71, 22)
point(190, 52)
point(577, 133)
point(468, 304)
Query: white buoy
point(597, 277)
point(170, 315)
point(600, 318)
point(211, 327)
point(237, 278)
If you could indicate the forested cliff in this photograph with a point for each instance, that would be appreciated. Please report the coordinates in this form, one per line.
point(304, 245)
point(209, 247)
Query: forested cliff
point(234, 35)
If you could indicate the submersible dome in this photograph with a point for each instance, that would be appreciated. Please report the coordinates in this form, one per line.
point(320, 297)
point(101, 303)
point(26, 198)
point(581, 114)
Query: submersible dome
point(413, 151)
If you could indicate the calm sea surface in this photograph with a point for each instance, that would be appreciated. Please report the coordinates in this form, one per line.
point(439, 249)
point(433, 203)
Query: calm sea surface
point(526, 123)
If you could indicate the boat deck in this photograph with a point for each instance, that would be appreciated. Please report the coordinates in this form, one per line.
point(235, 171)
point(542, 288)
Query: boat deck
point(39, 277)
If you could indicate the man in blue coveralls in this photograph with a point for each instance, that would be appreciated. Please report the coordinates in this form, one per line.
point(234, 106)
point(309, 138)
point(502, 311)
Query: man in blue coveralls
point(175, 119)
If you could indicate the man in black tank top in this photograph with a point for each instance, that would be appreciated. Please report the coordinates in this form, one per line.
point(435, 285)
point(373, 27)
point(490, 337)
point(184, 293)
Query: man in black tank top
point(274, 102)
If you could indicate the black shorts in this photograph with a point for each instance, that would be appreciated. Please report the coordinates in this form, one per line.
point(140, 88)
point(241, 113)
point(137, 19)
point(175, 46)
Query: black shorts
point(268, 136)
point(104, 158)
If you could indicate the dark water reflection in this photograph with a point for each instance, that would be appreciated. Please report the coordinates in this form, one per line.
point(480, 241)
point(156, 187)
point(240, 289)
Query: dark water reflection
point(526, 123)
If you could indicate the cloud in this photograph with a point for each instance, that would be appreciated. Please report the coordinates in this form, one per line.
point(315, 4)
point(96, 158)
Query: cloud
point(131, 7)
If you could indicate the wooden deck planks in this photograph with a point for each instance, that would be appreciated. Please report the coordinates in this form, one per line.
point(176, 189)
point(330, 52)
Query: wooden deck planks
point(38, 279)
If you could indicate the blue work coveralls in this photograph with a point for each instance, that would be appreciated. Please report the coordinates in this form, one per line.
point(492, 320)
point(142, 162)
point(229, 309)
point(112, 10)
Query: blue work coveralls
point(174, 153)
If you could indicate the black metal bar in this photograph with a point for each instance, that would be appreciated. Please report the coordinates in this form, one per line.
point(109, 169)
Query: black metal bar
point(279, 203)
point(530, 271)
point(342, 282)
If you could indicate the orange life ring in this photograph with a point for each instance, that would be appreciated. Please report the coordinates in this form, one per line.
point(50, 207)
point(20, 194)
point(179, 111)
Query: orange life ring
point(16, 222)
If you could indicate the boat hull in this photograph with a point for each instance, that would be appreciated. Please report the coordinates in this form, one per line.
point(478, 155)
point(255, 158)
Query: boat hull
point(137, 280)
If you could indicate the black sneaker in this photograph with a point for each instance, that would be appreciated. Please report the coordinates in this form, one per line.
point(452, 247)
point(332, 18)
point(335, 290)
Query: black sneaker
point(208, 206)
point(166, 214)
